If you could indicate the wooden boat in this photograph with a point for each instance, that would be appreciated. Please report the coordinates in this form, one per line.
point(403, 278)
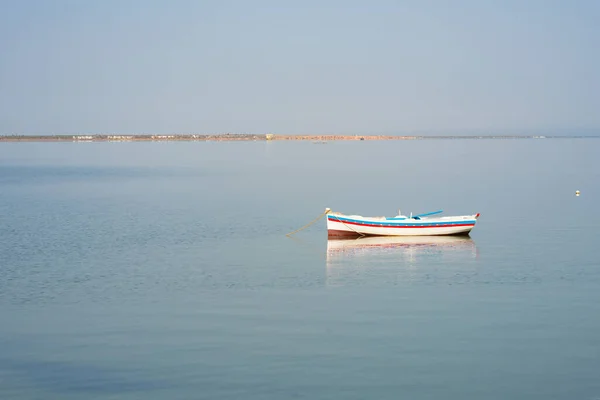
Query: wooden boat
point(341, 225)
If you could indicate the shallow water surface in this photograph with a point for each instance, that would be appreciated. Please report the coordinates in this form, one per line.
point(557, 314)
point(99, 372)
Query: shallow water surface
point(162, 270)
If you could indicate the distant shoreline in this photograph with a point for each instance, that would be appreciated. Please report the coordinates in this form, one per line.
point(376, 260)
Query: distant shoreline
point(248, 137)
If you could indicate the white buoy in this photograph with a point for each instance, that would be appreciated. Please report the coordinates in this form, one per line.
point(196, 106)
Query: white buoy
point(577, 193)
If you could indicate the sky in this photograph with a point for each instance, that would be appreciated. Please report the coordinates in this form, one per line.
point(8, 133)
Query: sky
point(306, 67)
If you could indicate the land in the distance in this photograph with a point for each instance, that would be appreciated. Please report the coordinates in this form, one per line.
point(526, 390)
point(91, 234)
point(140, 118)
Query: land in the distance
point(245, 137)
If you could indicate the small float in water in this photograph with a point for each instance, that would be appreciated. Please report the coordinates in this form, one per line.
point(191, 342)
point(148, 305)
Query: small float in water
point(340, 225)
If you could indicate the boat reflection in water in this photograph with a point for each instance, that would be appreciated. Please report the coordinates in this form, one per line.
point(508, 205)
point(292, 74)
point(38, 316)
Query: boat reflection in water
point(399, 258)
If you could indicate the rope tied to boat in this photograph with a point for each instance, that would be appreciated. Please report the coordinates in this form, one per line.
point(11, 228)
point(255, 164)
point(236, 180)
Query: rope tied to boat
point(352, 229)
point(327, 211)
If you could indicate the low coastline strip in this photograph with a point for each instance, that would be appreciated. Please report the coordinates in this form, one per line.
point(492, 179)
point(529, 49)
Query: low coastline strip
point(233, 137)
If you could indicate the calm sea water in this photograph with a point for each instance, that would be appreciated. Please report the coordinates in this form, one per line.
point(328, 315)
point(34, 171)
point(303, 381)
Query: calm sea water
point(162, 271)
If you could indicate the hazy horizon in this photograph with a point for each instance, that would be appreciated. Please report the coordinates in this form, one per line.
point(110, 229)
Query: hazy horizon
point(389, 67)
point(569, 134)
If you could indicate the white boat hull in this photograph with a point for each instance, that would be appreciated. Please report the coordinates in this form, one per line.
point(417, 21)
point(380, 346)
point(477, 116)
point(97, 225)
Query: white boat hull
point(339, 225)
